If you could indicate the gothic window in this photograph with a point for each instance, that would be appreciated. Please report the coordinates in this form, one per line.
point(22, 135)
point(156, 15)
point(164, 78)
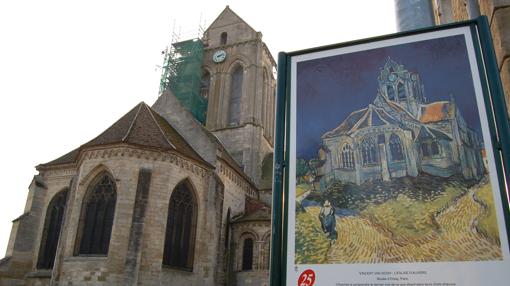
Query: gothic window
point(368, 150)
point(347, 157)
point(267, 170)
point(238, 156)
point(51, 231)
point(223, 38)
point(434, 148)
point(425, 149)
point(97, 216)
point(227, 230)
point(266, 250)
point(391, 92)
point(236, 89)
point(205, 84)
point(401, 91)
point(272, 112)
point(180, 228)
point(247, 254)
point(264, 112)
point(396, 148)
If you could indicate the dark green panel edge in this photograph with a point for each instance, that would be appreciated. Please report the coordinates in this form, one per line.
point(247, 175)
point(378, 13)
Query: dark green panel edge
point(495, 108)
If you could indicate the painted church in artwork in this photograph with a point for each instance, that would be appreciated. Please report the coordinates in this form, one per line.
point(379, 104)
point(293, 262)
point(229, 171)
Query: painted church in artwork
point(401, 134)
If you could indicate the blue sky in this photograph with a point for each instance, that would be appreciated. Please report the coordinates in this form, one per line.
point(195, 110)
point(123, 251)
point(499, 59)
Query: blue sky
point(329, 89)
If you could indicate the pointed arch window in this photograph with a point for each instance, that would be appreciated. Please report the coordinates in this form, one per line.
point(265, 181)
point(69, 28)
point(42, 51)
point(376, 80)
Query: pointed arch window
point(236, 90)
point(396, 148)
point(98, 211)
point(368, 150)
point(266, 252)
point(51, 231)
point(180, 228)
point(223, 38)
point(264, 108)
point(425, 149)
point(347, 157)
point(247, 254)
point(227, 230)
point(205, 84)
point(391, 92)
point(401, 91)
point(267, 170)
point(434, 148)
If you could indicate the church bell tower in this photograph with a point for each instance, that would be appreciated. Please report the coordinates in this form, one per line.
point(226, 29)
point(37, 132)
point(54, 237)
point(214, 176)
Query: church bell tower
point(240, 86)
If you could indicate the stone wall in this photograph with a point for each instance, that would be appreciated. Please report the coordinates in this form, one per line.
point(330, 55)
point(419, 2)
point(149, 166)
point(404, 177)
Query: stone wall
point(251, 139)
point(27, 231)
point(125, 165)
point(259, 231)
point(498, 13)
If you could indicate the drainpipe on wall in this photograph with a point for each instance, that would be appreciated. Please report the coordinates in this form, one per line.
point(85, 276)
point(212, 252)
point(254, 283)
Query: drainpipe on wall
point(414, 14)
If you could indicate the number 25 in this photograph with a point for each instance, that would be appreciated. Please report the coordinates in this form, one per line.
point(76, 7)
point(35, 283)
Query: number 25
point(307, 279)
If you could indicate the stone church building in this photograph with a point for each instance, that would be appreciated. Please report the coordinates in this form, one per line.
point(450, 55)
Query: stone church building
point(402, 134)
point(160, 198)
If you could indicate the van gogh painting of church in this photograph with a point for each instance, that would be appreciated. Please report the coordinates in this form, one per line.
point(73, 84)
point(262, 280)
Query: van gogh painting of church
point(401, 134)
point(391, 140)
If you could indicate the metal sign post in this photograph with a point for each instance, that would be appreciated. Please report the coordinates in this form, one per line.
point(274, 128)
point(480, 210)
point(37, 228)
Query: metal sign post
point(391, 162)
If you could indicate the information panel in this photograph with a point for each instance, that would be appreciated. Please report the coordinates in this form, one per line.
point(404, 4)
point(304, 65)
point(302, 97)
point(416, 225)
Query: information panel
point(392, 171)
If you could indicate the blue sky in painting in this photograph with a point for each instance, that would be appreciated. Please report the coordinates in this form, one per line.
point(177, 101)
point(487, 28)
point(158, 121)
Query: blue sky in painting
point(329, 89)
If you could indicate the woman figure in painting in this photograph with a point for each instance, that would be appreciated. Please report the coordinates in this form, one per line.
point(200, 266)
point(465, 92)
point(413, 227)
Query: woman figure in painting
point(328, 221)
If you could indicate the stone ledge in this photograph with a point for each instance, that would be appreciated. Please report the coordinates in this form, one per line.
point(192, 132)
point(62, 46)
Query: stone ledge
point(85, 258)
point(184, 271)
point(42, 273)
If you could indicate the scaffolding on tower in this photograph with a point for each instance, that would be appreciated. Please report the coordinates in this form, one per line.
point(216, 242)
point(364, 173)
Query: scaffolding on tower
point(182, 74)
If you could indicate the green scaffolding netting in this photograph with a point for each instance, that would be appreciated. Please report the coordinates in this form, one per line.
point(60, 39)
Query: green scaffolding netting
point(182, 74)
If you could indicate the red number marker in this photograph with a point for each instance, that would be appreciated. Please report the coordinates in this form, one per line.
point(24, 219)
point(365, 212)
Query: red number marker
point(307, 278)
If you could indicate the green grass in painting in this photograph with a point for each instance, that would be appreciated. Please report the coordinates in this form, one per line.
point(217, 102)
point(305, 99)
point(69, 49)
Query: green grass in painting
point(301, 189)
point(408, 218)
point(310, 240)
point(487, 223)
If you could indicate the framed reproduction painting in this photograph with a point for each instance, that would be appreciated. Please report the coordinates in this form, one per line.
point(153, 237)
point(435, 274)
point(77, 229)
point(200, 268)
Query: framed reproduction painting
point(390, 162)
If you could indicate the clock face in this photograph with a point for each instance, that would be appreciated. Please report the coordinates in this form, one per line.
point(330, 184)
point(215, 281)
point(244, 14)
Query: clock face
point(219, 56)
point(392, 77)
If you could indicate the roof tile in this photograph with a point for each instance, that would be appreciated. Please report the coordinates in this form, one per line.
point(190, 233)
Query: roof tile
point(141, 126)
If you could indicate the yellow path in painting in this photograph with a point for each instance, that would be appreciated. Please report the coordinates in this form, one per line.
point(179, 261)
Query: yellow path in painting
point(361, 241)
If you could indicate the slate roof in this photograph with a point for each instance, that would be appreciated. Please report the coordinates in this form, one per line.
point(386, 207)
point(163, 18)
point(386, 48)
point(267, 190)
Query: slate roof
point(393, 108)
point(254, 210)
point(431, 133)
point(367, 117)
point(436, 111)
point(64, 159)
point(141, 126)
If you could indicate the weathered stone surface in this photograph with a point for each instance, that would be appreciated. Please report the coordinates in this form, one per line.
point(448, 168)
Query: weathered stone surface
point(145, 176)
point(500, 28)
point(487, 7)
point(505, 79)
point(137, 223)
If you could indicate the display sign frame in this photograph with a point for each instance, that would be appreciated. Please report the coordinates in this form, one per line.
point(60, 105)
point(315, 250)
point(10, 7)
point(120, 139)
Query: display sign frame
point(374, 144)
